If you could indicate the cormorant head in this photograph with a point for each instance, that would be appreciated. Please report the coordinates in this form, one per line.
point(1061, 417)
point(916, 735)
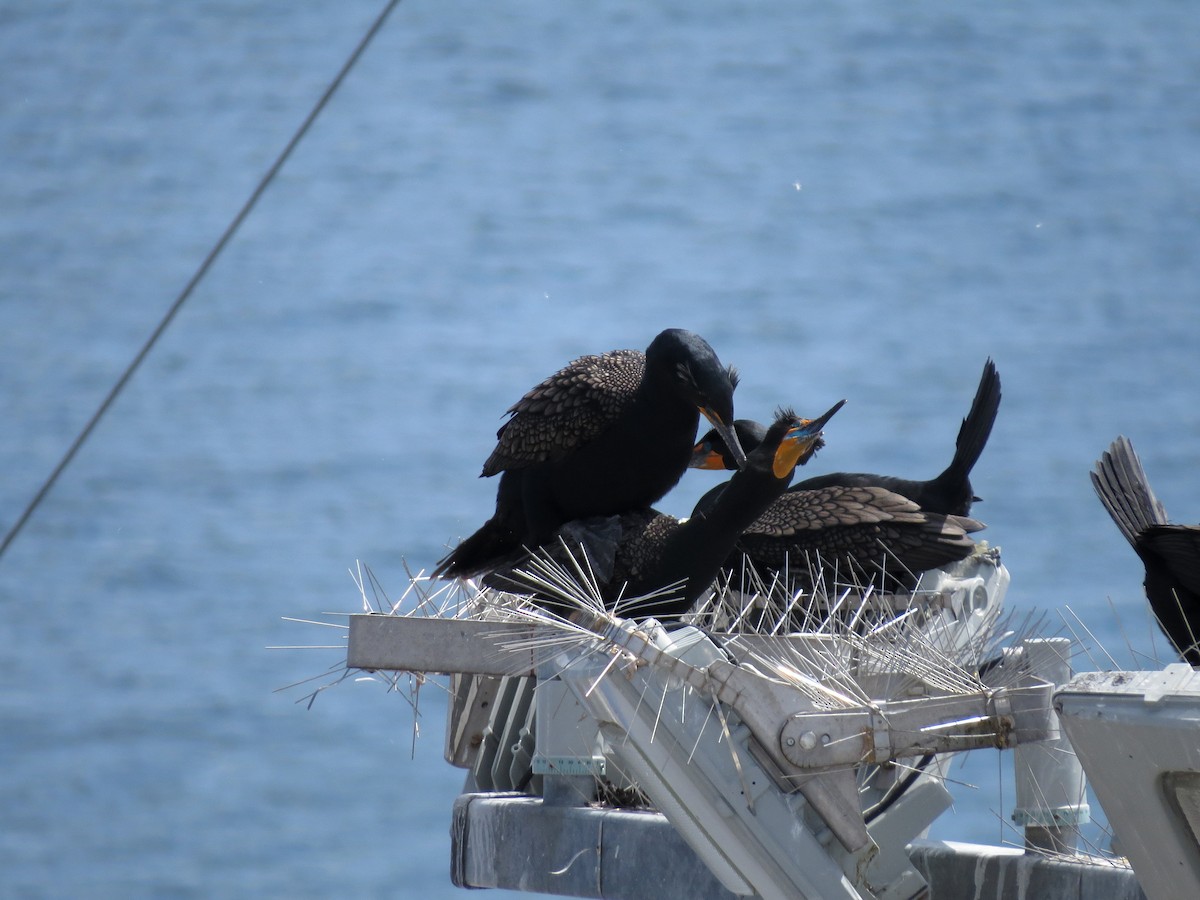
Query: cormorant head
point(697, 373)
point(792, 441)
point(712, 453)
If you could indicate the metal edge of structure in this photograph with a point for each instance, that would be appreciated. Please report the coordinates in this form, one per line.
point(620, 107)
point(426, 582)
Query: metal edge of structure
point(442, 646)
point(481, 647)
point(518, 843)
point(955, 871)
point(1137, 735)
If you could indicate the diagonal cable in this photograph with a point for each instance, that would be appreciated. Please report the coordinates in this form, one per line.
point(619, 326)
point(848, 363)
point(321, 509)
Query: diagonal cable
point(228, 234)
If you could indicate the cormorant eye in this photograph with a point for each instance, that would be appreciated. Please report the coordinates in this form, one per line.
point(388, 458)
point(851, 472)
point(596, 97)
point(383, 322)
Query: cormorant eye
point(685, 375)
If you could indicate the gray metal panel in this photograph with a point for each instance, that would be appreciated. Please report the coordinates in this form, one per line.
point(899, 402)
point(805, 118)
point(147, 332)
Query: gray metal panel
point(514, 842)
point(956, 871)
point(1131, 730)
point(476, 647)
point(471, 700)
point(413, 644)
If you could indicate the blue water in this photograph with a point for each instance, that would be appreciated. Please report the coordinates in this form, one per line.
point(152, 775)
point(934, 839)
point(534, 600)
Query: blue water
point(848, 200)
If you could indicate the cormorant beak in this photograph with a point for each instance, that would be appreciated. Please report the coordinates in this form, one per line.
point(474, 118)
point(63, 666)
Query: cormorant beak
point(729, 435)
point(705, 457)
point(801, 442)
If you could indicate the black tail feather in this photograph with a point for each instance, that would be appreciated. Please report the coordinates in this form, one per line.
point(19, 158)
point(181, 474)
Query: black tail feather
point(481, 552)
point(1122, 486)
point(496, 539)
point(976, 428)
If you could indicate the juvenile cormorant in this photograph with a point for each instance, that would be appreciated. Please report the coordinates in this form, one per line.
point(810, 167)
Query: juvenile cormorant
point(604, 435)
point(1171, 553)
point(950, 493)
point(645, 552)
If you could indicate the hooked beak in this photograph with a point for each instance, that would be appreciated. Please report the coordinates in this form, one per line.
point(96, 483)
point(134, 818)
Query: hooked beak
point(729, 436)
point(801, 442)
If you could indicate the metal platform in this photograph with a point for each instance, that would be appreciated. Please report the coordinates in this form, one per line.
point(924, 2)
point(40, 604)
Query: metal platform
point(799, 766)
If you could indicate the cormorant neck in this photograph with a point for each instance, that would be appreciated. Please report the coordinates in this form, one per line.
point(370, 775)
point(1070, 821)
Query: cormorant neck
point(745, 497)
point(700, 545)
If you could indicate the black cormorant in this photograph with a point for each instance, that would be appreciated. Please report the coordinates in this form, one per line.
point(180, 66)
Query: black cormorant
point(849, 535)
point(1171, 553)
point(950, 493)
point(645, 552)
point(664, 550)
point(604, 435)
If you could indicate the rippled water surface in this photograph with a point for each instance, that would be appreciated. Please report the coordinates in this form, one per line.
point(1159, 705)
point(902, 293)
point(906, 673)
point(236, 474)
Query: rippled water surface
point(856, 200)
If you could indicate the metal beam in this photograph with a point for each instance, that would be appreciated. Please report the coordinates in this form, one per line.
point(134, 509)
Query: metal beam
point(475, 647)
point(411, 644)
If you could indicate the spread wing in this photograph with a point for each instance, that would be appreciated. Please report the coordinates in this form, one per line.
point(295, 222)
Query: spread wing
point(568, 409)
point(797, 512)
point(866, 527)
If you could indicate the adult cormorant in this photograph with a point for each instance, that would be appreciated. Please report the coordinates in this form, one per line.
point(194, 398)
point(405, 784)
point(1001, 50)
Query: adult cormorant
point(950, 493)
point(1171, 553)
point(604, 435)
